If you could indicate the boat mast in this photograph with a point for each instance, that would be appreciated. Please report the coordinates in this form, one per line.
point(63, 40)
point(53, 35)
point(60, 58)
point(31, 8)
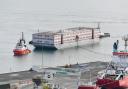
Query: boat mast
point(42, 57)
point(125, 38)
point(38, 30)
point(22, 36)
point(77, 40)
point(42, 51)
point(98, 27)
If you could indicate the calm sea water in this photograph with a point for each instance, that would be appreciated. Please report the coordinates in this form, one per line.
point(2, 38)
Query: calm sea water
point(15, 18)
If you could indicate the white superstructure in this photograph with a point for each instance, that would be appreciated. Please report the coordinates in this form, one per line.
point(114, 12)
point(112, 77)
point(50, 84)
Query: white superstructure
point(66, 38)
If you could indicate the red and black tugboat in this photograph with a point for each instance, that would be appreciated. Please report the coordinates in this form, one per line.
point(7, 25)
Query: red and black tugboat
point(21, 47)
point(115, 76)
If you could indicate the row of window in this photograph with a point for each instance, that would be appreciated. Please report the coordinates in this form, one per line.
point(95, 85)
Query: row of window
point(39, 41)
point(45, 44)
point(43, 38)
point(78, 32)
point(73, 38)
point(85, 34)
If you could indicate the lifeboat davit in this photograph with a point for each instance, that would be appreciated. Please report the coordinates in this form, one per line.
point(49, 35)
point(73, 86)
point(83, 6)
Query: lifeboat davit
point(21, 47)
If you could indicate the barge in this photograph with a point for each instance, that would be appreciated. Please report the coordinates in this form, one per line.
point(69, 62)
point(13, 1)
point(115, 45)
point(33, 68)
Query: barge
point(66, 38)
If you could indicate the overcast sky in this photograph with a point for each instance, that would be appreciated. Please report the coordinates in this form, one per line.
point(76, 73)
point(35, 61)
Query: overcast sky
point(69, 5)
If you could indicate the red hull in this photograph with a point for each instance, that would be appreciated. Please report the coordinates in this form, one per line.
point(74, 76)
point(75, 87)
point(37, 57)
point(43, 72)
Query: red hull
point(88, 87)
point(21, 52)
point(108, 84)
point(120, 53)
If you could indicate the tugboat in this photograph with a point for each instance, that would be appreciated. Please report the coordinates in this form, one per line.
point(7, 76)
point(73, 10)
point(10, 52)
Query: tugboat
point(115, 76)
point(21, 47)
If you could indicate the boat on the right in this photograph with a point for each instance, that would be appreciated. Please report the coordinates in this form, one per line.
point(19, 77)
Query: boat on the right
point(115, 76)
point(117, 51)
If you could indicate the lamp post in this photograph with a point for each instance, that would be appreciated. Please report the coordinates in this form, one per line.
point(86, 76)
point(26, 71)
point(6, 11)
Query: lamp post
point(42, 50)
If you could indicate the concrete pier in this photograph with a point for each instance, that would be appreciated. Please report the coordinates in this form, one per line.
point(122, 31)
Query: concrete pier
point(70, 82)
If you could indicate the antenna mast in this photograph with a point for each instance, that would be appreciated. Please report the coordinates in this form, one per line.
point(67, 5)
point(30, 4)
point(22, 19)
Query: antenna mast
point(22, 36)
point(98, 27)
point(125, 38)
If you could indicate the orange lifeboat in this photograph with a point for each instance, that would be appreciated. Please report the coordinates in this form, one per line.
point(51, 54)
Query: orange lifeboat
point(21, 48)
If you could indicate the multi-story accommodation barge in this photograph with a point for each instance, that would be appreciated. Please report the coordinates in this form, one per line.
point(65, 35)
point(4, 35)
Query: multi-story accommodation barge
point(66, 38)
